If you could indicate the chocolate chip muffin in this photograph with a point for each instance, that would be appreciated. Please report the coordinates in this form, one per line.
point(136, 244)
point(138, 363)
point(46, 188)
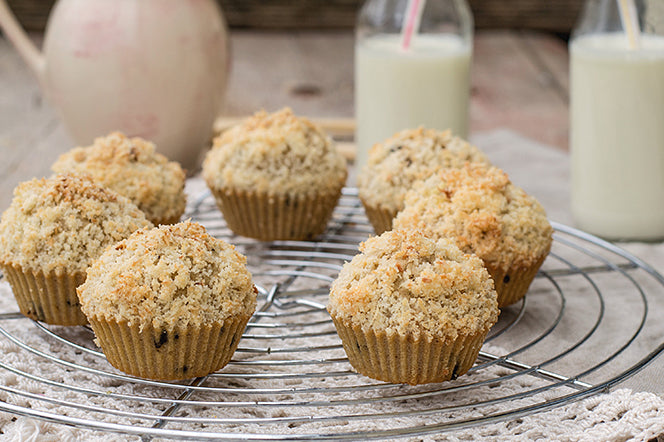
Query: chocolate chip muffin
point(412, 310)
point(479, 208)
point(51, 233)
point(400, 161)
point(169, 303)
point(131, 167)
point(275, 176)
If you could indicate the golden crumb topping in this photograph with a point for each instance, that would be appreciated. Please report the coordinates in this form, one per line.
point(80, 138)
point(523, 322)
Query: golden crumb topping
point(131, 167)
point(64, 222)
point(480, 208)
point(405, 283)
point(278, 153)
point(409, 156)
point(167, 276)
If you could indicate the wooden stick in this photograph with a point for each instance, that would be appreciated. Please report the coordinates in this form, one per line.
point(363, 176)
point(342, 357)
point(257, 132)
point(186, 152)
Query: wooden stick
point(347, 149)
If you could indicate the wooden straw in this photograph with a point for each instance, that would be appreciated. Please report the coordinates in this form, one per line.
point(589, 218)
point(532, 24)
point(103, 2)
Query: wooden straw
point(630, 22)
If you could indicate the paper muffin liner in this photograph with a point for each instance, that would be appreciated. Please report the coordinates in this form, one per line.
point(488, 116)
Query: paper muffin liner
point(46, 297)
point(512, 284)
point(380, 219)
point(155, 353)
point(269, 217)
point(406, 359)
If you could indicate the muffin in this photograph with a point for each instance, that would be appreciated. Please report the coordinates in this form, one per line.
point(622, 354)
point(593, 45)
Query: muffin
point(412, 310)
point(275, 176)
point(50, 234)
point(394, 165)
point(484, 213)
point(131, 167)
point(169, 303)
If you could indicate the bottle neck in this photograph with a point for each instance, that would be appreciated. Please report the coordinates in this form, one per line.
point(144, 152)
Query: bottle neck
point(438, 17)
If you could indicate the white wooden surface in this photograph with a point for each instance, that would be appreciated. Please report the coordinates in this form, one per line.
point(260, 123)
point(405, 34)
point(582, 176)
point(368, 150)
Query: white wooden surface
point(519, 82)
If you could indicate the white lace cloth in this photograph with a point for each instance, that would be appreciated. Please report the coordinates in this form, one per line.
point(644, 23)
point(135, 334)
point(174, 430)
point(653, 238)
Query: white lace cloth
point(618, 416)
point(621, 415)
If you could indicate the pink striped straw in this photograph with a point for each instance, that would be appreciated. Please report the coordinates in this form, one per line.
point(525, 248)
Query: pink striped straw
point(411, 22)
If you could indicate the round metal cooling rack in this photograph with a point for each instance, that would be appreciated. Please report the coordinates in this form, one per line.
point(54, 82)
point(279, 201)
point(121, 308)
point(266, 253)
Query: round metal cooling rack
point(581, 329)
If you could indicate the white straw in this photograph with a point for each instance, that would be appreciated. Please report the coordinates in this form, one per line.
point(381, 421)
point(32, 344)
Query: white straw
point(411, 22)
point(630, 22)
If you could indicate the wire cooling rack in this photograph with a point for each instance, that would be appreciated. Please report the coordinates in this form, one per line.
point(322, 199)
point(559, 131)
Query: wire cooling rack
point(583, 328)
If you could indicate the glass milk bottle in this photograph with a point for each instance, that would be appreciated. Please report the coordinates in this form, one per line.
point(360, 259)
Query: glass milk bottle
point(412, 68)
point(617, 119)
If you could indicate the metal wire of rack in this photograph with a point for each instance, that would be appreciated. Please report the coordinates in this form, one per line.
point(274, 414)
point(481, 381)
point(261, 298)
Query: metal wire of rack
point(290, 379)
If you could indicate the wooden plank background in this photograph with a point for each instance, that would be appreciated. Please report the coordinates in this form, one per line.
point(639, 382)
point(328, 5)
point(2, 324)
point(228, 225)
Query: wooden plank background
point(544, 15)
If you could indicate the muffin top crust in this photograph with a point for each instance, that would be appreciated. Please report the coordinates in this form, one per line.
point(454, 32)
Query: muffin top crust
point(277, 153)
point(394, 165)
point(405, 283)
point(170, 276)
point(62, 223)
point(483, 212)
point(131, 167)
